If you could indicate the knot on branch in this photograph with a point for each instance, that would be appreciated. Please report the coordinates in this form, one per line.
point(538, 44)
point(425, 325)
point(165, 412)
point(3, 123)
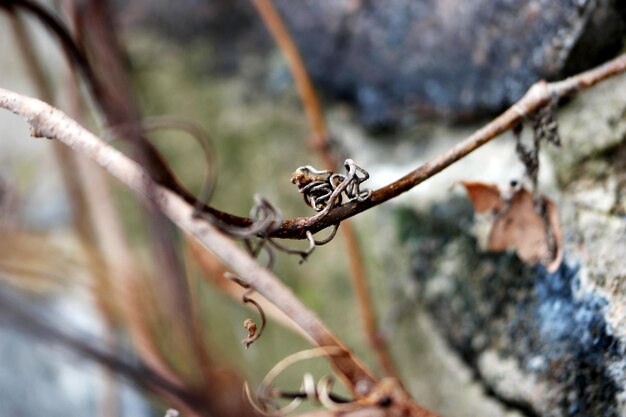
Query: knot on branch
point(323, 189)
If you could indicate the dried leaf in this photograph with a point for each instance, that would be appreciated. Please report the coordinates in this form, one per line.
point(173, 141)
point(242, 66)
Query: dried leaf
point(531, 227)
point(484, 197)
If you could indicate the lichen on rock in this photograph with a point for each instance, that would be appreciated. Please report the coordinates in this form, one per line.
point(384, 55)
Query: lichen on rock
point(539, 341)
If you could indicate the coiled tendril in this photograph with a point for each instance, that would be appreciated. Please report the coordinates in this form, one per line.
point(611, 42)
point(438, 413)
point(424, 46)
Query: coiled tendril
point(323, 189)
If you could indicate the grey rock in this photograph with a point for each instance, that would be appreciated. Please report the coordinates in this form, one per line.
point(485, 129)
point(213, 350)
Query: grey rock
point(545, 344)
point(542, 343)
point(460, 59)
point(399, 59)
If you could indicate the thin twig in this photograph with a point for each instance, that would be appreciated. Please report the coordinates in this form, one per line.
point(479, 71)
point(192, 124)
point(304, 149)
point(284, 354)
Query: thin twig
point(296, 228)
point(49, 122)
point(305, 88)
point(82, 217)
point(536, 97)
point(319, 142)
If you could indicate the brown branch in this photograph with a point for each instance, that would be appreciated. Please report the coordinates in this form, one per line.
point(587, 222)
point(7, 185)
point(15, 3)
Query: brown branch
point(120, 267)
point(536, 97)
point(306, 91)
point(365, 303)
point(319, 142)
point(81, 215)
point(49, 122)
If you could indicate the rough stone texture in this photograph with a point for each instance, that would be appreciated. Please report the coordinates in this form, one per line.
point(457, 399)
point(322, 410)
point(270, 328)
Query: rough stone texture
point(544, 344)
point(539, 342)
point(401, 58)
point(443, 57)
point(404, 57)
point(594, 124)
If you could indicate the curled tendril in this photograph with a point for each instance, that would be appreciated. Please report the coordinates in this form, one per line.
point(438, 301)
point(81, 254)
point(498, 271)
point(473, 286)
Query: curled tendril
point(203, 138)
point(265, 400)
point(266, 218)
point(313, 243)
point(200, 135)
point(326, 398)
point(249, 324)
point(323, 189)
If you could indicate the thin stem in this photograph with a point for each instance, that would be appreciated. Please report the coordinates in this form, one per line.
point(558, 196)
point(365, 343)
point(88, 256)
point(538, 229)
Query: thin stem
point(311, 104)
point(365, 303)
point(81, 214)
point(319, 142)
point(536, 97)
point(49, 122)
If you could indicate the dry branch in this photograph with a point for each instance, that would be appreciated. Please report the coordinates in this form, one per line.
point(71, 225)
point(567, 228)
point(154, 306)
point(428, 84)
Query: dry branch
point(306, 91)
point(540, 94)
point(537, 96)
point(319, 142)
point(49, 122)
point(46, 121)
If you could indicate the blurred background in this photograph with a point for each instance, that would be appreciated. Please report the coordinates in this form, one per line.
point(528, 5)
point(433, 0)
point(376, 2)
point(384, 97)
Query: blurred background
point(106, 310)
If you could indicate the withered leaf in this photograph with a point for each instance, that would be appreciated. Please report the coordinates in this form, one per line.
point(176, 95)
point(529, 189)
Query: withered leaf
point(531, 227)
point(484, 197)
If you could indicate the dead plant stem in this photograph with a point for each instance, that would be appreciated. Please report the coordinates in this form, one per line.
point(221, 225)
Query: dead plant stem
point(536, 97)
point(306, 91)
point(81, 215)
point(49, 122)
point(319, 142)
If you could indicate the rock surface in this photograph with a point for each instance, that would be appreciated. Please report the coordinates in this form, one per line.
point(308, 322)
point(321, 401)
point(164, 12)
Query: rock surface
point(537, 344)
point(545, 344)
point(440, 57)
point(398, 59)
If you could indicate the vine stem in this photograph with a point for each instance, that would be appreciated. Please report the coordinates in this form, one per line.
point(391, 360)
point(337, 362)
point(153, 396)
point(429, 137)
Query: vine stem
point(536, 97)
point(306, 91)
point(320, 144)
point(46, 121)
